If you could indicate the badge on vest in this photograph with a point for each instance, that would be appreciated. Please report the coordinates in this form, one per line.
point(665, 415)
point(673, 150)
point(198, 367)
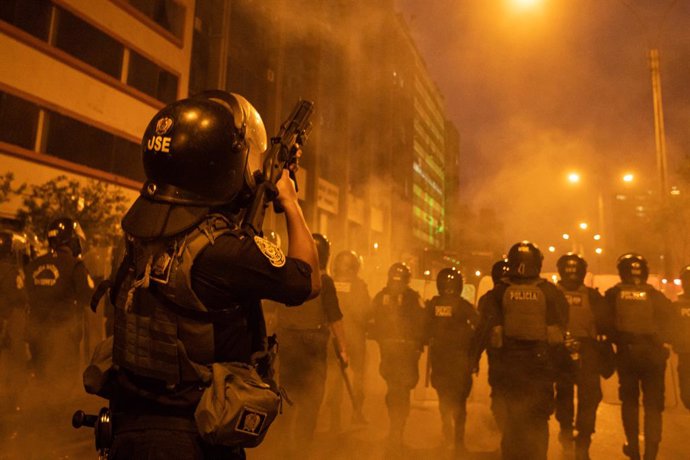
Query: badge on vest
point(518, 294)
point(574, 300)
point(634, 295)
point(443, 311)
point(250, 421)
point(272, 252)
point(46, 275)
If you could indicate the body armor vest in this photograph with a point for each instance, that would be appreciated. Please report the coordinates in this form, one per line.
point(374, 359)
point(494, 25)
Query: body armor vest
point(50, 287)
point(398, 317)
point(162, 330)
point(682, 344)
point(450, 325)
point(581, 319)
point(308, 316)
point(524, 312)
point(634, 309)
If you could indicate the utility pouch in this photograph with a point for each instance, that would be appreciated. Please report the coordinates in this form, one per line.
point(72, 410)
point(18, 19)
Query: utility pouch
point(237, 408)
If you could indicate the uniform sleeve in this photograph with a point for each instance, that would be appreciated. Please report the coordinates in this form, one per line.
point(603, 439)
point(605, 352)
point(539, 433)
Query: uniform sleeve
point(237, 267)
point(556, 306)
point(14, 294)
point(329, 300)
point(609, 311)
point(665, 314)
point(599, 310)
point(82, 283)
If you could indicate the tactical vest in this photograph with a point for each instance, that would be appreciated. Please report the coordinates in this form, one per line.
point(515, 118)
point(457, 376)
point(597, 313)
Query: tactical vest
point(682, 342)
point(634, 309)
point(524, 312)
point(450, 326)
point(162, 330)
point(398, 317)
point(308, 316)
point(581, 319)
point(50, 287)
point(353, 300)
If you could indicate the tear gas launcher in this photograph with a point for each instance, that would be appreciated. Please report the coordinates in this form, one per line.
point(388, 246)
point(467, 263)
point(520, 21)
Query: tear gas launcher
point(282, 153)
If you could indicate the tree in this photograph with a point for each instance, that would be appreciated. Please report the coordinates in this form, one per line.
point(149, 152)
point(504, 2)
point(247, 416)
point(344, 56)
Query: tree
point(6, 190)
point(96, 205)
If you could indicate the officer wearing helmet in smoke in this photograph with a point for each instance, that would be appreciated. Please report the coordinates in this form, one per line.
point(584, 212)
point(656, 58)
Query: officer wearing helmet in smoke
point(59, 286)
point(583, 364)
point(451, 324)
point(192, 278)
point(304, 333)
point(398, 327)
point(681, 342)
point(355, 303)
point(639, 320)
point(528, 319)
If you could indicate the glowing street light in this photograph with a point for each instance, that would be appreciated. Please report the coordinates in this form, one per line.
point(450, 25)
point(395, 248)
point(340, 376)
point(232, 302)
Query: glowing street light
point(478, 273)
point(525, 4)
point(599, 251)
point(566, 236)
point(552, 248)
point(597, 237)
point(583, 226)
point(574, 178)
point(628, 178)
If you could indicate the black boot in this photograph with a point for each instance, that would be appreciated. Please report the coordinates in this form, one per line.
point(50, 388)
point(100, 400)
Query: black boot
point(632, 452)
point(582, 447)
point(650, 451)
point(565, 437)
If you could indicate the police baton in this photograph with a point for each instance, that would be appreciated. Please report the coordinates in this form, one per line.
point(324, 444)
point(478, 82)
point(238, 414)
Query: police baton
point(102, 428)
point(356, 403)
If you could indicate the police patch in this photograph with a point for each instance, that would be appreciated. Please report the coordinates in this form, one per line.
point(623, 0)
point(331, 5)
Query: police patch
point(251, 421)
point(272, 252)
point(443, 311)
point(163, 125)
point(342, 286)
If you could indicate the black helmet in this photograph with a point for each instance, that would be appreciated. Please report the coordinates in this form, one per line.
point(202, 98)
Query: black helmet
point(632, 268)
point(323, 247)
point(572, 268)
point(346, 264)
point(449, 281)
point(399, 271)
point(499, 270)
point(66, 232)
point(524, 260)
point(685, 278)
point(196, 155)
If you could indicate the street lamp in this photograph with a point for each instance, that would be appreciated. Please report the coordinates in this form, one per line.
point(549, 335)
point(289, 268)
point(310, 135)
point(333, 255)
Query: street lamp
point(628, 177)
point(566, 236)
point(583, 226)
point(574, 178)
point(525, 4)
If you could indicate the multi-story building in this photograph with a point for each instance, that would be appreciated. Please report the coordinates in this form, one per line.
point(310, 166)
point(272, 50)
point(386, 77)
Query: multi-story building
point(79, 81)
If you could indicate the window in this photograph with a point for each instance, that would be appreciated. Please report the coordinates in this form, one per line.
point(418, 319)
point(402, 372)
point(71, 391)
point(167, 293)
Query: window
point(18, 121)
point(32, 16)
point(88, 44)
point(148, 78)
point(166, 13)
point(80, 143)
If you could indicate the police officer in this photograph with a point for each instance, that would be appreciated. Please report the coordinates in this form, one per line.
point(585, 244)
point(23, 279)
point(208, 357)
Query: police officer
point(12, 297)
point(681, 344)
point(58, 286)
point(188, 291)
point(638, 316)
point(582, 366)
point(398, 327)
point(528, 320)
point(303, 333)
point(355, 303)
point(481, 343)
point(452, 321)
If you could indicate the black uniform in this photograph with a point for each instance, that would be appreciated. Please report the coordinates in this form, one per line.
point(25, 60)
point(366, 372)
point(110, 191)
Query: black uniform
point(398, 328)
point(450, 329)
point(58, 286)
point(303, 333)
point(530, 316)
point(681, 345)
point(638, 318)
point(12, 296)
point(155, 392)
point(355, 303)
point(584, 324)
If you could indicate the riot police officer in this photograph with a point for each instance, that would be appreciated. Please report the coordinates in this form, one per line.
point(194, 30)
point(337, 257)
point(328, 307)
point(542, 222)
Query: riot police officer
point(582, 366)
point(187, 294)
point(681, 343)
point(355, 303)
point(398, 327)
point(58, 286)
point(528, 320)
point(304, 332)
point(12, 297)
point(451, 323)
point(638, 316)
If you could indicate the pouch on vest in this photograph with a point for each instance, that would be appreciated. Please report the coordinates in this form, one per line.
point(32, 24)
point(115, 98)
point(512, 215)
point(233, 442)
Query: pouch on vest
point(237, 408)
